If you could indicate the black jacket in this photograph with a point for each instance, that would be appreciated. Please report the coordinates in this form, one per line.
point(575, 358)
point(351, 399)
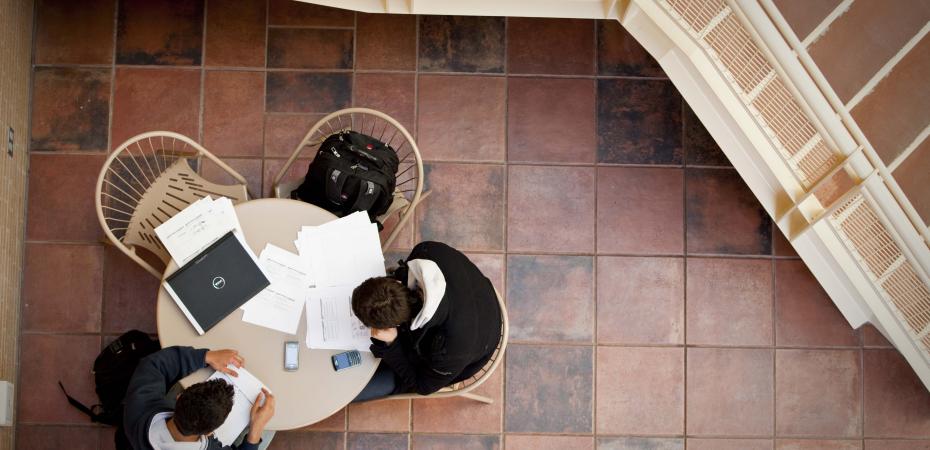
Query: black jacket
point(150, 383)
point(461, 336)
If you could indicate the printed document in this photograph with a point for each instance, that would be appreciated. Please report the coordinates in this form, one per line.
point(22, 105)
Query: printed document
point(331, 323)
point(194, 228)
point(342, 252)
point(279, 305)
point(247, 388)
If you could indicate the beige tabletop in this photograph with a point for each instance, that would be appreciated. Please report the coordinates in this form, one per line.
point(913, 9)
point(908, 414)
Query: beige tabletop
point(315, 391)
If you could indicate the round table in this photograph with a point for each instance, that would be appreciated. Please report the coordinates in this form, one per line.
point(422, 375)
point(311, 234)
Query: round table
point(313, 392)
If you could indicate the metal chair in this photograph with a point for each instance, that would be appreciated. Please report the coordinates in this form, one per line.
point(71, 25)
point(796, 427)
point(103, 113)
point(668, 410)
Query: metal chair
point(147, 180)
point(464, 388)
point(408, 193)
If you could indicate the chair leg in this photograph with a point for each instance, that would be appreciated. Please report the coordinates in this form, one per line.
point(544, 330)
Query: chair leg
point(477, 398)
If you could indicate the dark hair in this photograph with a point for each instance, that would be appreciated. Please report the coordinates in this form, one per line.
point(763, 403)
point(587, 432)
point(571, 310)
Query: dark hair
point(203, 407)
point(384, 302)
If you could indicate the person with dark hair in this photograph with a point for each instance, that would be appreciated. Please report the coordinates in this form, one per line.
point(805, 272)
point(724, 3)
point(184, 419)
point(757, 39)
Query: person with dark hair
point(155, 420)
point(435, 321)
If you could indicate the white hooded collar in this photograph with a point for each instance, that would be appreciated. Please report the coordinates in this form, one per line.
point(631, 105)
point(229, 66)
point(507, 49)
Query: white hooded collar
point(426, 275)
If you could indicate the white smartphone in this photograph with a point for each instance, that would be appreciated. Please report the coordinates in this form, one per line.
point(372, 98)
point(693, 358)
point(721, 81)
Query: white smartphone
point(291, 350)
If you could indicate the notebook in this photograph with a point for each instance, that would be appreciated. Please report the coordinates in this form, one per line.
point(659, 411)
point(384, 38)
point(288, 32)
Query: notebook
point(215, 283)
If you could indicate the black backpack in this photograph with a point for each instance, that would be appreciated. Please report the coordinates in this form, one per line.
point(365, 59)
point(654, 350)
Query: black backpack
point(351, 172)
point(113, 369)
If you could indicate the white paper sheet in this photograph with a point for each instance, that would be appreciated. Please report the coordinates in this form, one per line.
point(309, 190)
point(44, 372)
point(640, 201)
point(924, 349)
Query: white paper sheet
point(194, 228)
point(279, 305)
point(342, 252)
point(247, 388)
point(331, 323)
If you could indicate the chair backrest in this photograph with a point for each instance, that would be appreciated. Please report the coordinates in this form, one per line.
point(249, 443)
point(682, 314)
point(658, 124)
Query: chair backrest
point(482, 375)
point(386, 129)
point(147, 180)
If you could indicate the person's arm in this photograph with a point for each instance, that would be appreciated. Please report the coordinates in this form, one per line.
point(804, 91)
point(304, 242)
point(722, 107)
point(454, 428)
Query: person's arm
point(262, 412)
point(422, 379)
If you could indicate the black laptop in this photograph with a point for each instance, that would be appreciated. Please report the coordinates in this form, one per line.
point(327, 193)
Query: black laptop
point(219, 280)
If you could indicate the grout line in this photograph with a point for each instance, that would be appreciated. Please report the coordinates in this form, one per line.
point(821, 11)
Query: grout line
point(909, 150)
point(112, 67)
point(505, 205)
point(203, 82)
point(822, 27)
point(774, 346)
point(887, 68)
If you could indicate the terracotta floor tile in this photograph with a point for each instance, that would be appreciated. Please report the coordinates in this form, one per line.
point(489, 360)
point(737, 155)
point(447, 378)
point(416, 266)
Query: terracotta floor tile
point(236, 34)
point(818, 393)
point(289, 12)
point(41, 369)
point(537, 442)
point(271, 167)
point(466, 208)
point(729, 444)
point(896, 403)
point(164, 32)
point(405, 238)
point(817, 444)
point(730, 301)
point(804, 17)
point(910, 176)
point(639, 443)
point(492, 266)
point(335, 422)
point(49, 437)
point(804, 314)
point(461, 44)
point(149, 99)
point(638, 122)
point(640, 300)
point(373, 441)
point(389, 415)
point(309, 48)
point(548, 389)
point(69, 32)
point(780, 244)
point(538, 132)
point(553, 216)
point(302, 440)
point(70, 109)
point(53, 216)
point(871, 337)
point(723, 216)
point(307, 92)
point(724, 385)
point(618, 53)
point(640, 391)
point(640, 210)
point(233, 113)
point(375, 49)
point(699, 147)
point(550, 46)
point(461, 117)
point(391, 93)
point(455, 442)
point(62, 288)
point(129, 294)
point(250, 168)
point(551, 298)
point(462, 415)
point(283, 132)
point(886, 444)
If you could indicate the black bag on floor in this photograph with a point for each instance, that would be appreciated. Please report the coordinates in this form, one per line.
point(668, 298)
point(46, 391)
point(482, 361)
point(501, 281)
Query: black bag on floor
point(351, 172)
point(113, 369)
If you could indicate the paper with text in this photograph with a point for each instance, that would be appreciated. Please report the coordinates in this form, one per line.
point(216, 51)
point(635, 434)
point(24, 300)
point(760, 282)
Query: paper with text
point(196, 227)
point(247, 388)
point(330, 322)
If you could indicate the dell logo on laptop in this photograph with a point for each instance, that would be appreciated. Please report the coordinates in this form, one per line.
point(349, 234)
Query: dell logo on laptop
point(219, 283)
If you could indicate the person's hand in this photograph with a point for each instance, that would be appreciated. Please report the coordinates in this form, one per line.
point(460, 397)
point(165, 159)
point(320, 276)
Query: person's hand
point(220, 359)
point(260, 415)
point(386, 335)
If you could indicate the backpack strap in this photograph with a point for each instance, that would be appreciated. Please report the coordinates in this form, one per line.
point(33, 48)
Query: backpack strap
point(368, 193)
point(335, 181)
point(80, 406)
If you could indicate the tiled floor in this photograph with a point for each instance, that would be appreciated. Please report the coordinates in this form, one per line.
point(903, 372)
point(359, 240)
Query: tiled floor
point(653, 306)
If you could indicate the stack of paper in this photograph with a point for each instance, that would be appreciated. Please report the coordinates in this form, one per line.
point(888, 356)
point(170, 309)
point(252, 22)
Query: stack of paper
point(247, 388)
point(194, 228)
point(341, 255)
point(280, 305)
